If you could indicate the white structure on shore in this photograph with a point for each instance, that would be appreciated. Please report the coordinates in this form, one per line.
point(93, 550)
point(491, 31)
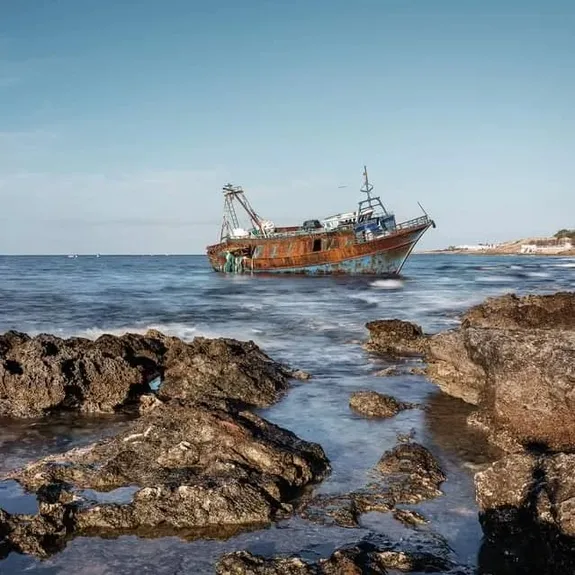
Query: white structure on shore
point(547, 246)
point(476, 247)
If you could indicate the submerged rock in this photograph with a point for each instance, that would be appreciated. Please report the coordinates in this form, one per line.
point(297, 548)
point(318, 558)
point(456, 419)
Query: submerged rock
point(409, 517)
point(194, 465)
point(395, 337)
point(407, 474)
point(414, 469)
point(373, 404)
point(245, 563)
point(46, 373)
point(375, 554)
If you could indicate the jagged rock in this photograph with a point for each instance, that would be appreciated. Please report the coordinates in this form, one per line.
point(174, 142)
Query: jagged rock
point(526, 511)
point(192, 465)
point(204, 503)
point(375, 554)
point(416, 463)
point(409, 517)
point(408, 474)
point(224, 368)
point(373, 404)
point(514, 358)
point(388, 372)
point(245, 563)
point(395, 337)
point(451, 367)
point(299, 374)
point(555, 311)
point(46, 373)
point(524, 490)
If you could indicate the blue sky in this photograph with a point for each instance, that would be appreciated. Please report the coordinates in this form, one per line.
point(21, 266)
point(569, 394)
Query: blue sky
point(120, 120)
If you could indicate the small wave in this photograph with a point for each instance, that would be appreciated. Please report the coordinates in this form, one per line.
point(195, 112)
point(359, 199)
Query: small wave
point(495, 279)
point(538, 274)
point(183, 331)
point(387, 284)
point(569, 265)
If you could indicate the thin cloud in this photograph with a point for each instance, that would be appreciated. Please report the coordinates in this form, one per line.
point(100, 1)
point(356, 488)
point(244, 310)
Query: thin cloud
point(9, 81)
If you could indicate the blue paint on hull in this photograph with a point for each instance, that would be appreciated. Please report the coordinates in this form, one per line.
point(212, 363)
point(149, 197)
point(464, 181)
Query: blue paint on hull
point(374, 264)
point(385, 262)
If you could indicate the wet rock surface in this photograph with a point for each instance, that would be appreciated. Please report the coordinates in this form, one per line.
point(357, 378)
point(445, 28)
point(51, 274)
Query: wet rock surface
point(555, 311)
point(526, 511)
point(375, 554)
point(406, 474)
point(373, 404)
point(451, 368)
point(195, 466)
point(42, 374)
point(514, 358)
point(524, 487)
point(395, 337)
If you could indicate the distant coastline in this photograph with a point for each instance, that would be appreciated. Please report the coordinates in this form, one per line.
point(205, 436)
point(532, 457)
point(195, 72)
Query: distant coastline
point(561, 244)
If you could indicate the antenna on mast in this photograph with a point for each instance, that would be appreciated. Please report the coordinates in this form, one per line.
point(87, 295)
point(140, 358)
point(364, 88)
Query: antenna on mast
point(367, 187)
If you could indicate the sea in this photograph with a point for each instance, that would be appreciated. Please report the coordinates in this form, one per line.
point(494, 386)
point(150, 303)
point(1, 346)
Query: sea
point(312, 323)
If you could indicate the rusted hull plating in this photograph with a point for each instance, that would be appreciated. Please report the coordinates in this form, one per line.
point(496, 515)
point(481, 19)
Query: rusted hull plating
point(317, 254)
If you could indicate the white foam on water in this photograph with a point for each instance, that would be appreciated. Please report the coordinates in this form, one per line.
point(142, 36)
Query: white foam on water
point(495, 279)
point(185, 332)
point(567, 265)
point(538, 274)
point(366, 298)
point(390, 284)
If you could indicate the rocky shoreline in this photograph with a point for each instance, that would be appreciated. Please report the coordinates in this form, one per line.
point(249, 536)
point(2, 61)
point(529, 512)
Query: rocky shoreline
point(197, 459)
point(514, 359)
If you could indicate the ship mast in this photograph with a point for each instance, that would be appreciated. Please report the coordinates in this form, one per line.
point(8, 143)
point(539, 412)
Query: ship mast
point(230, 220)
point(372, 202)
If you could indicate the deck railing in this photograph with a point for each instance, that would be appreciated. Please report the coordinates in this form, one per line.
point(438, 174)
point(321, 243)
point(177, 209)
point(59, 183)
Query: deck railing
point(416, 222)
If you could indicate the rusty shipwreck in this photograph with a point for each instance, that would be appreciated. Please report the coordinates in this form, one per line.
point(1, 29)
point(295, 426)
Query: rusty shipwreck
point(365, 241)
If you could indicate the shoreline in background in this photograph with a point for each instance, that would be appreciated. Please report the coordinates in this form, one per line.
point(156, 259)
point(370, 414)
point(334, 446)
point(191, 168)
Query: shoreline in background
point(561, 244)
point(569, 254)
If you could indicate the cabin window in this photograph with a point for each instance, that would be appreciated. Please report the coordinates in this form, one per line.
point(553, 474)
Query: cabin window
point(317, 245)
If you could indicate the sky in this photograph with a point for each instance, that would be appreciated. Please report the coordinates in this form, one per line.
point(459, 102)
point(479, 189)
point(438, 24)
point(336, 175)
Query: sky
point(121, 120)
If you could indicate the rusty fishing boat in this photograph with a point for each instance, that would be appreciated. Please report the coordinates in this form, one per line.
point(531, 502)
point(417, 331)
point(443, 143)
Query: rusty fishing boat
point(365, 241)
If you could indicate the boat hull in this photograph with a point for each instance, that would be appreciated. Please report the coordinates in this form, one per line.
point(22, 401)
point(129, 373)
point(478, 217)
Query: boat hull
point(383, 256)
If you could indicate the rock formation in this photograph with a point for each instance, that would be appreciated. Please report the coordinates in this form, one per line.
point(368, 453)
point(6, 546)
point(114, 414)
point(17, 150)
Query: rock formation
point(406, 474)
point(46, 373)
point(373, 404)
point(375, 554)
point(514, 359)
point(191, 465)
point(395, 337)
point(194, 459)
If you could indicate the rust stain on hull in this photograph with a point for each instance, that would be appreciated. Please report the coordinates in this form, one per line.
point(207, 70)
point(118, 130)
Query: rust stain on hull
point(338, 253)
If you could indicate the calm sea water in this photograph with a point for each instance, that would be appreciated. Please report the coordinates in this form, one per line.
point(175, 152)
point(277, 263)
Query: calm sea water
point(316, 324)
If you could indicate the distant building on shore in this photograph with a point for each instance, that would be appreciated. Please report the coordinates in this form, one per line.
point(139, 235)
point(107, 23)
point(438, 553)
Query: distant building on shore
point(473, 247)
point(547, 245)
